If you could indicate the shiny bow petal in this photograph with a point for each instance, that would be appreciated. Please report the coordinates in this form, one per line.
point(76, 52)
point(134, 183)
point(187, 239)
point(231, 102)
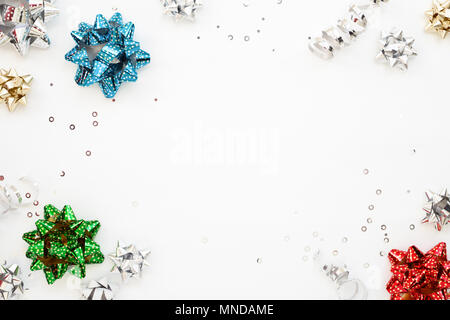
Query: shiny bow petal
point(418, 275)
point(14, 88)
point(107, 54)
point(61, 241)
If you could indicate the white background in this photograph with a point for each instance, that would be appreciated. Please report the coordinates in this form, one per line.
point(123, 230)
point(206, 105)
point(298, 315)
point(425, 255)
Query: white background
point(251, 147)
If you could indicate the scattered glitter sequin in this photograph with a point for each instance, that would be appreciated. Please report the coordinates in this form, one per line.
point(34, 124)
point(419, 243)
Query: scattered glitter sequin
point(382, 254)
point(72, 127)
point(95, 123)
point(383, 227)
point(369, 220)
point(88, 153)
point(62, 174)
point(36, 203)
point(2, 178)
point(366, 171)
point(363, 228)
point(94, 114)
point(412, 227)
point(246, 38)
point(335, 252)
point(30, 214)
point(371, 207)
point(386, 240)
point(344, 239)
point(259, 260)
point(51, 119)
point(378, 192)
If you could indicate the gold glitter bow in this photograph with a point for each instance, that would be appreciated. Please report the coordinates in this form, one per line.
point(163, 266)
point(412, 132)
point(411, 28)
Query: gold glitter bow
point(439, 17)
point(14, 88)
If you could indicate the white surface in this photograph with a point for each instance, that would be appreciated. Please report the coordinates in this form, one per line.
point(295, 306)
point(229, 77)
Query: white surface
point(246, 153)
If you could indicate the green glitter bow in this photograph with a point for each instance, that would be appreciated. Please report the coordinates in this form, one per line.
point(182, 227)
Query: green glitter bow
point(61, 241)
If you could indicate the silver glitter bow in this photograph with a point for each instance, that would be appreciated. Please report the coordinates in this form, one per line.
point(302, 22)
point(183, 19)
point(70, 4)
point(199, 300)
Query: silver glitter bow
point(346, 30)
point(180, 9)
point(437, 209)
point(129, 261)
point(98, 290)
point(396, 48)
point(22, 23)
point(11, 286)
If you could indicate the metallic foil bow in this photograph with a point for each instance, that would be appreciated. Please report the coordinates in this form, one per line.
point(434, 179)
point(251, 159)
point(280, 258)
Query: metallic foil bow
point(22, 23)
point(61, 241)
point(14, 88)
point(98, 290)
point(107, 54)
point(418, 276)
point(396, 48)
point(437, 209)
point(180, 9)
point(439, 17)
point(11, 285)
point(344, 32)
point(129, 261)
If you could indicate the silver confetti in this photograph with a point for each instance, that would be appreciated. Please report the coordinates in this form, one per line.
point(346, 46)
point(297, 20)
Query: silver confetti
point(98, 290)
point(182, 9)
point(22, 23)
point(11, 285)
point(437, 209)
point(396, 48)
point(129, 261)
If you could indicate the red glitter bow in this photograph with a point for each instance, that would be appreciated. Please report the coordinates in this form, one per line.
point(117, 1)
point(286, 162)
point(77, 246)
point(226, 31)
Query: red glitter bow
point(418, 276)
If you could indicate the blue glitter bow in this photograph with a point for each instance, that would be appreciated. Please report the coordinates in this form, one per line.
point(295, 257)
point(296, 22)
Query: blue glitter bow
point(107, 54)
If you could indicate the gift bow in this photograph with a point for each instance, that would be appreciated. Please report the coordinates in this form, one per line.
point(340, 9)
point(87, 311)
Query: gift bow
point(419, 276)
point(60, 241)
point(118, 58)
point(14, 88)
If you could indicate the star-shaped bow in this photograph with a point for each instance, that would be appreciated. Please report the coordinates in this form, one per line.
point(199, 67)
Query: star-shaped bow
point(98, 290)
point(107, 54)
point(22, 23)
point(129, 261)
point(181, 9)
point(437, 209)
point(396, 48)
point(11, 285)
point(14, 88)
point(439, 17)
point(61, 241)
point(419, 276)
